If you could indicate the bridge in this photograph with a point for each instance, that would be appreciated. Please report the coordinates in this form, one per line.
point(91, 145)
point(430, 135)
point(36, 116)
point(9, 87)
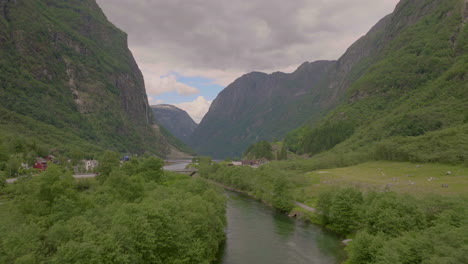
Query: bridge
point(189, 172)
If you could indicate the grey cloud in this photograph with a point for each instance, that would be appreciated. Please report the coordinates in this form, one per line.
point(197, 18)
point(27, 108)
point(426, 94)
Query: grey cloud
point(244, 34)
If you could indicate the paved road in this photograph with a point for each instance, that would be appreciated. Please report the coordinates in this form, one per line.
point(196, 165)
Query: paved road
point(76, 176)
point(11, 180)
point(84, 175)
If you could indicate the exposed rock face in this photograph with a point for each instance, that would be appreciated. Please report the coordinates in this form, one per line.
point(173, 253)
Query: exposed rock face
point(174, 119)
point(71, 68)
point(261, 106)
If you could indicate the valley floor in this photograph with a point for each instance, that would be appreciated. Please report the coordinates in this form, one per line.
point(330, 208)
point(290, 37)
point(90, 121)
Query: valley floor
point(400, 177)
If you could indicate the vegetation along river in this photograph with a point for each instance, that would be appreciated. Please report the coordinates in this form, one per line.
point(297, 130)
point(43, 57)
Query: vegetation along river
point(257, 233)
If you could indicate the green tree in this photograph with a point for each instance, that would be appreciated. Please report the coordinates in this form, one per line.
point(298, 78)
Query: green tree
point(364, 248)
point(392, 214)
point(344, 212)
point(151, 169)
point(13, 165)
point(281, 195)
point(107, 161)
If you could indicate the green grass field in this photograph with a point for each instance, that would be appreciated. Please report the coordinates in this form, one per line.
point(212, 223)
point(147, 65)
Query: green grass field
point(400, 177)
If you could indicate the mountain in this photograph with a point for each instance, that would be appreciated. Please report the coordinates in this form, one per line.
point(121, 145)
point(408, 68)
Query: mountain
point(411, 104)
point(68, 80)
point(259, 106)
point(175, 120)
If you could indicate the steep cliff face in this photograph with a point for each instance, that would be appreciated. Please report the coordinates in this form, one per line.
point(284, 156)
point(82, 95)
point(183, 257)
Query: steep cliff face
point(259, 106)
point(176, 120)
point(63, 64)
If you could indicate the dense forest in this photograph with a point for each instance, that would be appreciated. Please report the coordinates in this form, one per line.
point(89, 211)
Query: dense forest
point(390, 228)
point(134, 213)
point(266, 150)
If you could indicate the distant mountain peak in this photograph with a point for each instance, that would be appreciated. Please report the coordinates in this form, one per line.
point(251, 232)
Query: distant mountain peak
point(175, 120)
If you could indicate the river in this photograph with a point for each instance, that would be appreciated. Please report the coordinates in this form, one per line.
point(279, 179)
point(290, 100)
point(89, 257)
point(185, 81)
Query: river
point(258, 234)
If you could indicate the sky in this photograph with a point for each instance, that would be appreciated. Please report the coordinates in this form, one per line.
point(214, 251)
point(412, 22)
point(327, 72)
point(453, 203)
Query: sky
point(189, 50)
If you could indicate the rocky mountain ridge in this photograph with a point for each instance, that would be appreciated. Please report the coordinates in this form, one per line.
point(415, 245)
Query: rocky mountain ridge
point(174, 119)
point(63, 64)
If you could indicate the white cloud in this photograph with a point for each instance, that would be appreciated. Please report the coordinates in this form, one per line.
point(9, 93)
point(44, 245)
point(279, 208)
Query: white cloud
point(222, 40)
point(157, 85)
point(197, 108)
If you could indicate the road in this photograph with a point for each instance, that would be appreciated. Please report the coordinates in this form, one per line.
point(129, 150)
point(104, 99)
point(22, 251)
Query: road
point(76, 176)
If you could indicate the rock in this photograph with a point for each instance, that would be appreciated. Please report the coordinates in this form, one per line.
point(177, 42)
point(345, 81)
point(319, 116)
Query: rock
point(176, 120)
point(448, 173)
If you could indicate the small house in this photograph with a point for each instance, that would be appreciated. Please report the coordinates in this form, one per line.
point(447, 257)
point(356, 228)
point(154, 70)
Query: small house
point(90, 164)
point(40, 164)
point(249, 162)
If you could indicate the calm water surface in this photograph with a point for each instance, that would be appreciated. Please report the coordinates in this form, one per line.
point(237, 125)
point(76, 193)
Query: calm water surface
point(178, 165)
point(258, 234)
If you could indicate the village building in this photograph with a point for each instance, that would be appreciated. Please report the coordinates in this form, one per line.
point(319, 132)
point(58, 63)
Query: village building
point(90, 165)
point(249, 162)
point(40, 164)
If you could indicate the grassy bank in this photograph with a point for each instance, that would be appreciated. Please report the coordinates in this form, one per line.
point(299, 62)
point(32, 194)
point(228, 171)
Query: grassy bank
point(401, 177)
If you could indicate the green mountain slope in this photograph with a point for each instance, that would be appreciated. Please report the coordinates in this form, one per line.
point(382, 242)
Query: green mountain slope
point(412, 102)
point(67, 68)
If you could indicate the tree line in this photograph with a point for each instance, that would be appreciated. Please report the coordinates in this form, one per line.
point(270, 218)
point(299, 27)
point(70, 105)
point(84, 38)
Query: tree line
point(132, 213)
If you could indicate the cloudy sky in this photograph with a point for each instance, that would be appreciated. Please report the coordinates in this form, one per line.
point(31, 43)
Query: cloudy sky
point(189, 50)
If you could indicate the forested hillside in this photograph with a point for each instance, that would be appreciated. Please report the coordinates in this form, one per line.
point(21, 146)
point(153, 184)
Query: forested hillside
point(69, 81)
point(412, 103)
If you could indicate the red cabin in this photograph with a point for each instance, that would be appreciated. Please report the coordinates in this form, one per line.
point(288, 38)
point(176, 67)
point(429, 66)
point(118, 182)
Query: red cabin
point(40, 164)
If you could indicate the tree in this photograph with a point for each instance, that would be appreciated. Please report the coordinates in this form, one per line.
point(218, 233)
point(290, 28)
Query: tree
point(107, 161)
point(151, 169)
point(344, 212)
point(281, 197)
point(364, 248)
point(13, 165)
